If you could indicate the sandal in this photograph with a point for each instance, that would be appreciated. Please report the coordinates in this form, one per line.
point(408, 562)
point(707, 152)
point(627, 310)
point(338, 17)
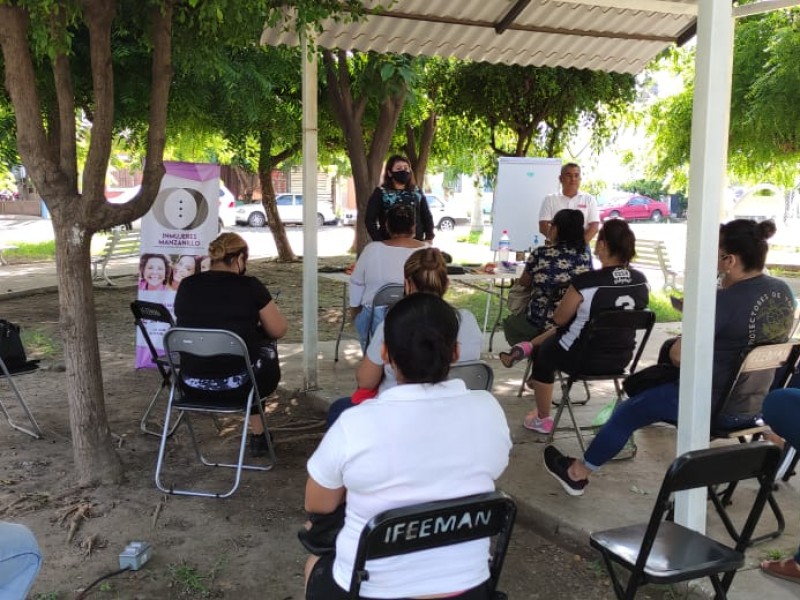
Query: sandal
point(787, 568)
point(509, 359)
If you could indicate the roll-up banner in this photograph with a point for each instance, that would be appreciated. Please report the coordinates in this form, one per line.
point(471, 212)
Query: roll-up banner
point(175, 237)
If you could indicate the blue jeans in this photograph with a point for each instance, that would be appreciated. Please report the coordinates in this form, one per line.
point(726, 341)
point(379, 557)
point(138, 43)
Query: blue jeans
point(657, 404)
point(20, 560)
point(781, 412)
point(363, 321)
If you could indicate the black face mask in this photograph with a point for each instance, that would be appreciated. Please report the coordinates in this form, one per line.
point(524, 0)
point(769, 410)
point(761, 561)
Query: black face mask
point(401, 176)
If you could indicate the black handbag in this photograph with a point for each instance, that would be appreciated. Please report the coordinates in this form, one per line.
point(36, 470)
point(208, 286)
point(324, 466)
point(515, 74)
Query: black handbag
point(650, 377)
point(320, 538)
point(11, 349)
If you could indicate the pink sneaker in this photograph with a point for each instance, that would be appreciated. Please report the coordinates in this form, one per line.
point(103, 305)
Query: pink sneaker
point(534, 423)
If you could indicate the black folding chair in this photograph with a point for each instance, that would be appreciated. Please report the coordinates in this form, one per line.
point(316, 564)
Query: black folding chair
point(758, 361)
point(386, 297)
point(210, 343)
point(476, 374)
point(144, 312)
point(445, 522)
point(8, 373)
point(638, 323)
point(663, 552)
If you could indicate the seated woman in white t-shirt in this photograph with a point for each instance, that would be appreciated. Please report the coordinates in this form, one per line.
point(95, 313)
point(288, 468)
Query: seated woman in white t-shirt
point(381, 263)
point(454, 442)
point(425, 271)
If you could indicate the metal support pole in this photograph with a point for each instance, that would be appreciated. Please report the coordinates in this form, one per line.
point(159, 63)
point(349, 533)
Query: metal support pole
point(708, 159)
point(310, 285)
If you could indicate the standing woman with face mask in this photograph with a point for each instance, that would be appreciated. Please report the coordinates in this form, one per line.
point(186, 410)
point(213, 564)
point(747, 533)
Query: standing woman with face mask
point(398, 187)
point(225, 298)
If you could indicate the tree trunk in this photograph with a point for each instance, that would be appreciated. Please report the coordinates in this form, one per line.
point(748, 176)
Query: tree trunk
point(476, 221)
point(50, 154)
point(265, 163)
point(95, 458)
point(348, 110)
point(419, 153)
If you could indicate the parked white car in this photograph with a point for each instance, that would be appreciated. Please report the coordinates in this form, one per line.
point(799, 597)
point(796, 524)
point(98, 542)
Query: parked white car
point(761, 202)
point(446, 215)
point(227, 207)
point(290, 210)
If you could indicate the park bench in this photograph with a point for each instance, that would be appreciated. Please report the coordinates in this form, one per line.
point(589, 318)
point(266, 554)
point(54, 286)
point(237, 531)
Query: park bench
point(119, 244)
point(652, 254)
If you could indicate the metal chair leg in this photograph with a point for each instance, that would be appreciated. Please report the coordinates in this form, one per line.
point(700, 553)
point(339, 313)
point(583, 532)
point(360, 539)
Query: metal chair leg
point(144, 424)
point(528, 369)
point(35, 431)
point(238, 466)
point(341, 324)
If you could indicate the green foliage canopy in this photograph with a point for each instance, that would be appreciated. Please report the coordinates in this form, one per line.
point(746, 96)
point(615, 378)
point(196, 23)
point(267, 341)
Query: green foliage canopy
point(764, 142)
point(540, 107)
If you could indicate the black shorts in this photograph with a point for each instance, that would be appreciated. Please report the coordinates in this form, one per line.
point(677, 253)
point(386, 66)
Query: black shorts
point(322, 585)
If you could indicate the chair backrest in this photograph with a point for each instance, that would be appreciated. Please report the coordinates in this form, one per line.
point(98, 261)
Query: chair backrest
point(389, 294)
point(476, 374)
point(151, 311)
point(208, 343)
point(716, 466)
point(204, 342)
point(634, 321)
point(436, 524)
point(768, 357)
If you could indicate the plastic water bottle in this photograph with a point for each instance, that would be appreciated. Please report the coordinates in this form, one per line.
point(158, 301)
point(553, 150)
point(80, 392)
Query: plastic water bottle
point(503, 246)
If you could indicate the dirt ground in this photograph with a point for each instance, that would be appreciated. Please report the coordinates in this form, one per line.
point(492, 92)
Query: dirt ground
point(243, 547)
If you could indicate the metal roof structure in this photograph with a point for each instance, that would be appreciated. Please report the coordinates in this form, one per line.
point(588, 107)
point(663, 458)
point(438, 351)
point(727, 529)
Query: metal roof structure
point(607, 35)
point(612, 35)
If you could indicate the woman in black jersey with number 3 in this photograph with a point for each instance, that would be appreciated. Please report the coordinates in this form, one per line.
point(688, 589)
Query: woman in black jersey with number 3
point(614, 286)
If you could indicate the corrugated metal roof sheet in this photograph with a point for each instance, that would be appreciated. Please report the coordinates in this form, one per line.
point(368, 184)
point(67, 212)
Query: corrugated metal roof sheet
point(609, 35)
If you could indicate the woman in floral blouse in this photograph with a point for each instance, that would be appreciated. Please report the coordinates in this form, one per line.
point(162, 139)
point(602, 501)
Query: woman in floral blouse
point(548, 271)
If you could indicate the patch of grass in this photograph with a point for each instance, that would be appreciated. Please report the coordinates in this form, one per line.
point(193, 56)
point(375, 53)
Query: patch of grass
point(661, 305)
point(597, 568)
point(188, 580)
point(473, 237)
point(47, 596)
point(783, 271)
point(474, 301)
point(39, 343)
point(775, 554)
point(31, 251)
point(192, 583)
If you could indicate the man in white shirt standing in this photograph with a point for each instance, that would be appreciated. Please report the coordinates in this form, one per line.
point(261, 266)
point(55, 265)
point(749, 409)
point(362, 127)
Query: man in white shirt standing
point(570, 197)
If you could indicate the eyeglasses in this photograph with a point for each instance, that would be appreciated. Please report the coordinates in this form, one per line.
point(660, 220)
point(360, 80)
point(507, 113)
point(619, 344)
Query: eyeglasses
point(723, 256)
point(399, 169)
